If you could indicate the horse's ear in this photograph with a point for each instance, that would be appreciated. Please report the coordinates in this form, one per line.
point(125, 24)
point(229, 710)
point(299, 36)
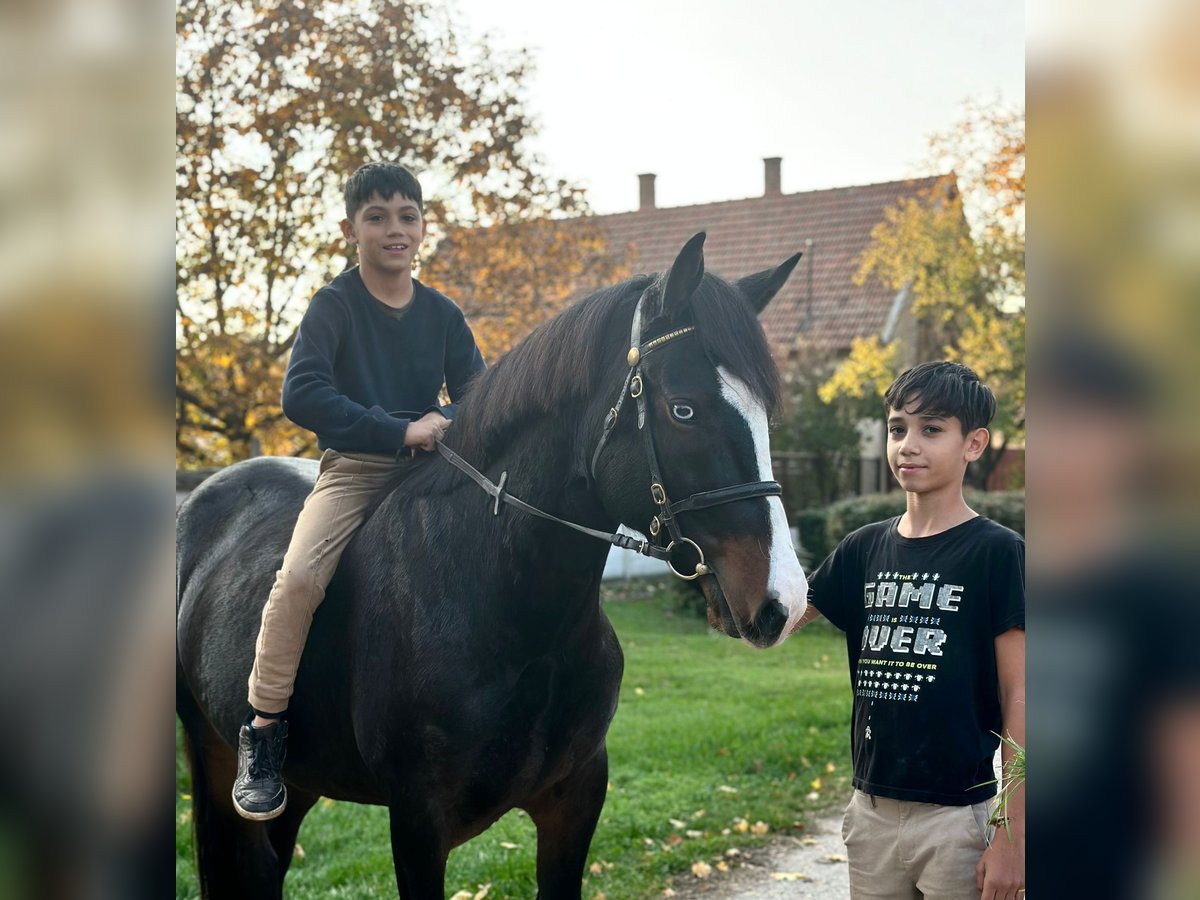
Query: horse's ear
point(684, 277)
point(760, 287)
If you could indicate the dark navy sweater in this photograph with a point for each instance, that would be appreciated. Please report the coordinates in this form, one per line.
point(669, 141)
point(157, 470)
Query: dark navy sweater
point(359, 372)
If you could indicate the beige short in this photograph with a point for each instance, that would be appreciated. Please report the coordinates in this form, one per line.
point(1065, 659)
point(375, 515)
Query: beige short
point(347, 483)
point(899, 850)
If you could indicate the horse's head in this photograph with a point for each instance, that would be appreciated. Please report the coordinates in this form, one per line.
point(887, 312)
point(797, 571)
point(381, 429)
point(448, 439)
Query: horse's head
point(706, 395)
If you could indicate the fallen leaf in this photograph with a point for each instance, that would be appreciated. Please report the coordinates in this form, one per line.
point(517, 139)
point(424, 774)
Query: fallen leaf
point(725, 832)
point(596, 869)
point(722, 866)
point(509, 845)
point(812, 796)
point(726, 789)
point(830, 768)
point(639, 692)
point(809, 842)
point(185, 796)
point(599, 895)
point(733, 851)
point(788, 876)
point(693, 833)
point(677, 823)
point(649, 842)
point(483, 891)
point(298, 851)
point(327, 803)
point(701, 869)
point(610, 786)
point(835, 857)
point(462, 895)
point(815, 784)
point(699, 814)
point(741, 826)
point(673, 839)
point(668, 892)
point(760, 828)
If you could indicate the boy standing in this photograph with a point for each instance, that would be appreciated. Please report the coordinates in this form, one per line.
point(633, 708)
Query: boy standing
point(933, 606)
point(372, 353)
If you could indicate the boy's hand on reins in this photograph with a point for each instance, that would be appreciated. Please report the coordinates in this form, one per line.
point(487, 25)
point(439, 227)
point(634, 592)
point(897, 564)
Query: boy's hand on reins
point(424, 433)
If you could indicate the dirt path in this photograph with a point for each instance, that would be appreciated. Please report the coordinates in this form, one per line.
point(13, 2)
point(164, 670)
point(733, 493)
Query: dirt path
point(812, 867)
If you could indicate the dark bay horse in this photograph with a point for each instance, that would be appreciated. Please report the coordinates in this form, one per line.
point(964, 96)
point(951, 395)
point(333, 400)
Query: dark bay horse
point(460, 665)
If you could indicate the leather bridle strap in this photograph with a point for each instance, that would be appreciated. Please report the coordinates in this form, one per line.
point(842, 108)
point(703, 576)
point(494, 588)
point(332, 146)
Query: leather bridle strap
point(499, 495)
point(749, 491)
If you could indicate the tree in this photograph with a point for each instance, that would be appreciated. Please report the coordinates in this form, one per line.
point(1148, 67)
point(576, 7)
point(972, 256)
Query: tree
point(276, 103)
point(511, 276)
point(961, 251)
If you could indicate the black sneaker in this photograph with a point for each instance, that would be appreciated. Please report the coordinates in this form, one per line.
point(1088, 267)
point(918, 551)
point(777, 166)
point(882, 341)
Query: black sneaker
point(258, 791)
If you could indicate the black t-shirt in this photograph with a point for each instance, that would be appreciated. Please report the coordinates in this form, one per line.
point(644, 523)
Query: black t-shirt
point(921, 616)
point(1114, 651)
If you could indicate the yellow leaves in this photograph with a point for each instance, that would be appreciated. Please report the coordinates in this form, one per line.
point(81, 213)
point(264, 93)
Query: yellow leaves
point(701, 869)
point(759, 828)
point(835, 858)
point(298, 851)
point(865, 374)
point(509, 845)
point(830, 768)
point(482, 891)
point(596, 869)
point(815, 784)
point(741, 826)
point(789, 876)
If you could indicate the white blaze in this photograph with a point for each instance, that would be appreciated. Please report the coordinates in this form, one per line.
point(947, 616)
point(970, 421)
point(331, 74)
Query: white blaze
point(786, 579)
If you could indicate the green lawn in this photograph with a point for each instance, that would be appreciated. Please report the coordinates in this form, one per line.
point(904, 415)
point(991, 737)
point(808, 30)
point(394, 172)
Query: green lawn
point(710, 740)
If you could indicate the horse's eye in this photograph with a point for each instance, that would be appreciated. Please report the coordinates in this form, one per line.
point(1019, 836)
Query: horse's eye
point(682, 411)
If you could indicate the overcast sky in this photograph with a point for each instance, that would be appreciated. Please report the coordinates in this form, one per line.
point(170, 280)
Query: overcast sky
point(846, 91)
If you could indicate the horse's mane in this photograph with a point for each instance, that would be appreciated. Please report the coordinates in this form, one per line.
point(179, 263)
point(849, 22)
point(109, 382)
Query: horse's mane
point(557, 367)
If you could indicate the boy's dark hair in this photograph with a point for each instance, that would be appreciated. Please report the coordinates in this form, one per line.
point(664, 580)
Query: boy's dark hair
point(943, 389)
point(384, 179)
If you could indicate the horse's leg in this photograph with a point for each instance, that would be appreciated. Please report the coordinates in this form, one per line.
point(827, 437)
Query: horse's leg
point(566, 816)
point(234, 857)
point(283, 829)
point(419, 856)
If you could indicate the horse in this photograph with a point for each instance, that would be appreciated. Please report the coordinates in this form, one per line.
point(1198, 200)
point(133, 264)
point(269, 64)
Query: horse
point(461, 665)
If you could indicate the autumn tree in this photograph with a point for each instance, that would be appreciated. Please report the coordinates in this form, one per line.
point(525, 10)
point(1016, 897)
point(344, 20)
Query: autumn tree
point(960, 250)
point(276, 104)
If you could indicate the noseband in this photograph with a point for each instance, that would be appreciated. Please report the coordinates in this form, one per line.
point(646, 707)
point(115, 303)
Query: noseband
point(635, 386)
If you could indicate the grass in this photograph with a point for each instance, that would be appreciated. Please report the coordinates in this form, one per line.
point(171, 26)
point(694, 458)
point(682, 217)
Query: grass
point(714, 746)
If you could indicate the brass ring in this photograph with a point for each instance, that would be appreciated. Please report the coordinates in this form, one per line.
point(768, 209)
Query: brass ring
point(701, 568)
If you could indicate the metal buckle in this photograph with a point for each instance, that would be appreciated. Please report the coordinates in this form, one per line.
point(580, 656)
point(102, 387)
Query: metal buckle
point(659, 495)
point(701, 568)
point(635, 387)
point(655, 527)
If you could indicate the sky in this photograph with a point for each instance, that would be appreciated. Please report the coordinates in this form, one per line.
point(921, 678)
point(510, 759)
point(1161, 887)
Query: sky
point(845, 91)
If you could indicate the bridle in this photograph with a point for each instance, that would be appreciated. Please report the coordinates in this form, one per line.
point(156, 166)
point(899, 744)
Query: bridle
point(635, 386)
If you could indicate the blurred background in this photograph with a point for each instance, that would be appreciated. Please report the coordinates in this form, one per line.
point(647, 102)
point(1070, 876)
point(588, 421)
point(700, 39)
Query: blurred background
point(669, 122)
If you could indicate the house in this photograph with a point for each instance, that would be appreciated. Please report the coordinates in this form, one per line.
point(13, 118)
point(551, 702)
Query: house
point(820, 306)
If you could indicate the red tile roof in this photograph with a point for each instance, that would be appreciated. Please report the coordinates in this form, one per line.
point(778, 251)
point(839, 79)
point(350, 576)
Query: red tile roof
point(746, 236)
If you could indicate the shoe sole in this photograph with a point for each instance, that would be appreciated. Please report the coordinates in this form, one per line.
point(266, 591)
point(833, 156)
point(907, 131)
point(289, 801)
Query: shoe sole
point(260, 816)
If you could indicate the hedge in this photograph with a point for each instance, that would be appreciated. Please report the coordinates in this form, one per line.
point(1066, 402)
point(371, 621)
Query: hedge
point(821, 529)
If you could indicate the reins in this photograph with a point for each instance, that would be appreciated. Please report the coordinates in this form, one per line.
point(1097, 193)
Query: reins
point(635, 386)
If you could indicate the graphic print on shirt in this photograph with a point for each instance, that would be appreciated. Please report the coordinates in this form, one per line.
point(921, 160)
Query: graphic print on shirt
point(905, 633)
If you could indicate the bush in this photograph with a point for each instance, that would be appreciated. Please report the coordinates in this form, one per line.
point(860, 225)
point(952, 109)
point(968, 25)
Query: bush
point(823, 529)
point(813, 526)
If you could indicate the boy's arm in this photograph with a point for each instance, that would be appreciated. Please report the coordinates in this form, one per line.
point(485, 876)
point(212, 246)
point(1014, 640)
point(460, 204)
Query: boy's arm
point(311, 398)
point(463, 362)
point(1001, 870)
point(810, 615)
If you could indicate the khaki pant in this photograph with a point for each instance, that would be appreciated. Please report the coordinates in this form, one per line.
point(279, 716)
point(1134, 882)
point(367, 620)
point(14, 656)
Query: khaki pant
point(346, 485)
point(900, 850)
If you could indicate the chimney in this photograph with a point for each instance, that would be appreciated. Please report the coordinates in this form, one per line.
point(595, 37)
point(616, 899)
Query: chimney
point(772, 184)
point(646, 191)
